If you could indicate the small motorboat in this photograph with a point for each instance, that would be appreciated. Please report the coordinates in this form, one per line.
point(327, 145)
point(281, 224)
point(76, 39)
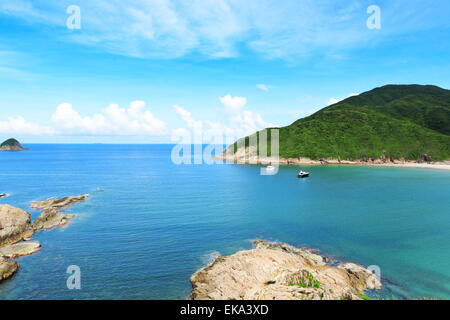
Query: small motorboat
point(270, 168)
point(303, 174)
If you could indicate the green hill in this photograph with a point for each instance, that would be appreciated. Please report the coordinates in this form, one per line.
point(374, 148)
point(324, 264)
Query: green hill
point(399, 121)
point(11, 145)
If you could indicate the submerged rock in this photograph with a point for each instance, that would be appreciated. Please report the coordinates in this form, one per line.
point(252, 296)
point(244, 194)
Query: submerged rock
point(19, 249)
point(7, 268)
point(280, 271)
point(14, 225)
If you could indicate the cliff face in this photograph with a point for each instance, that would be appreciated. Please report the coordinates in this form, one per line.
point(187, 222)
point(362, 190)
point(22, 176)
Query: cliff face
point(282, 272)
point(11, 145)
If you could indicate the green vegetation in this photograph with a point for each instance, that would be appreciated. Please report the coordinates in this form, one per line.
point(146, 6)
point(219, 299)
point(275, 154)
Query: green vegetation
point(10, 142)
point(397, 121)
point(362, 296)
point(310, 283)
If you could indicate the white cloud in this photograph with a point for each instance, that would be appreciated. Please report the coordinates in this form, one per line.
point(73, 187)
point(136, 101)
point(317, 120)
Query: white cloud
point(240, 122)
point(334, 100)
point(187, 117)
point(18, 125)
point(219, 28)
point(263, 87)
point(112, 121)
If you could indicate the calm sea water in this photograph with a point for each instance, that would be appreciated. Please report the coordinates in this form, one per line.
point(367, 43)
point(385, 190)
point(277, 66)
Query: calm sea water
point(150, 224)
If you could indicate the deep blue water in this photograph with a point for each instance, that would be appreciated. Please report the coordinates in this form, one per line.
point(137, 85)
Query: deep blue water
point(150, 224)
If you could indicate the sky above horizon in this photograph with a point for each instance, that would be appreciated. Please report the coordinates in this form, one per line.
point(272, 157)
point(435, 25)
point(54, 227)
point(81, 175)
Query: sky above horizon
point(154, 71)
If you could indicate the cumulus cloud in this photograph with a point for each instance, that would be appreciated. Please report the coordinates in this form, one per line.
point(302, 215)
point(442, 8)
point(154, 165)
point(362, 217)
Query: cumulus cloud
point(112, 121)
point(240, 122)
point(18, 125)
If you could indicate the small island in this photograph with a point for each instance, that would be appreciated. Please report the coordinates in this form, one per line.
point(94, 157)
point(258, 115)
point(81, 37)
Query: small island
point(11, 145)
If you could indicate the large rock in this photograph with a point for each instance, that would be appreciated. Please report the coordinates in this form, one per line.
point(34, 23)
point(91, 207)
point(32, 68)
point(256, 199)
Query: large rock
point(282, 272)
point(7, 268)
point(14, 224)
point(19, 249)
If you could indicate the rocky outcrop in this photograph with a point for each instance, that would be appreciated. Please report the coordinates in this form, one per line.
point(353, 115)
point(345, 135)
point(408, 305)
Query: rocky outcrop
point(19, 249)
point(280, 271)
point(51, 217)
point(14, 225)
point(7, 268)
point(58, 204)
point(11, 145)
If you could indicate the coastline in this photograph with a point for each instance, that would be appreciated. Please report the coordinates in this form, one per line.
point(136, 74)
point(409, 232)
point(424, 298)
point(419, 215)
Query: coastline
point(383, 162)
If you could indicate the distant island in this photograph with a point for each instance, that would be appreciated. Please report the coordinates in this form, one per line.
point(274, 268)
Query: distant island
point(11, 145)
point(389, 124)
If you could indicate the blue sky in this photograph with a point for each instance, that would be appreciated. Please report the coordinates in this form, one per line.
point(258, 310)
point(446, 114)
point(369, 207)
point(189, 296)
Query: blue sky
point(144, 71)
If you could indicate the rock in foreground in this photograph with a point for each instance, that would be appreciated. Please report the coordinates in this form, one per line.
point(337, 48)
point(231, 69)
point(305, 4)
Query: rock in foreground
point(14, 225)
point(19, 249)
point(7, 268)
point(282, 272)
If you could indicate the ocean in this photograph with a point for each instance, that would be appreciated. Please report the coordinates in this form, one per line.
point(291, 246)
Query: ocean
point(149, 223)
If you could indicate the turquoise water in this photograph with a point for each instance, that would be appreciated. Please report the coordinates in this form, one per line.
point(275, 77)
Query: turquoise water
point(150, 224)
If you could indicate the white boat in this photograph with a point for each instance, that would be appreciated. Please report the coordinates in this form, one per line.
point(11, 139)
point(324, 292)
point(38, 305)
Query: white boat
point(303, 174)
point(270, 168)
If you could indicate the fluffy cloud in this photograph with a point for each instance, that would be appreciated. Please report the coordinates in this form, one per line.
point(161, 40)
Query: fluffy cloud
point(240, 122)
point(18, 125)
point(112, 121)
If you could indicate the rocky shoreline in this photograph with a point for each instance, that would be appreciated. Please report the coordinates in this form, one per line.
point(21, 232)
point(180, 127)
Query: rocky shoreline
point(278, 271)
point(16, 229)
